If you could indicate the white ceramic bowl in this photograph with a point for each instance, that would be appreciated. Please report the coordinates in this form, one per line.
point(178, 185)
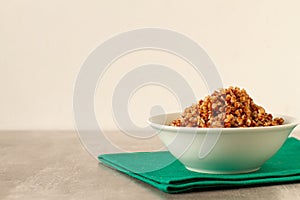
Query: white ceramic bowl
point(222, 150)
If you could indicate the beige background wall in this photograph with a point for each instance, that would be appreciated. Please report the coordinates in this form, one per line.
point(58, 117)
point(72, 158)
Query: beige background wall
point(254, 44)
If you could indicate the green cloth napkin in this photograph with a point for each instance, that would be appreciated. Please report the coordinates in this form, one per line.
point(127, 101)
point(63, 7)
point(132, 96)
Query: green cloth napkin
point(283, 167)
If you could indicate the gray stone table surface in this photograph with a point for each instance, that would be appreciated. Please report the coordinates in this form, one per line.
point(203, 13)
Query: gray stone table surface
point(54, 165)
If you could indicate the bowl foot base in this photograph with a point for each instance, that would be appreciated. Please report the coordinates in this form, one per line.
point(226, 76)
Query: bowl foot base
point(221, 172)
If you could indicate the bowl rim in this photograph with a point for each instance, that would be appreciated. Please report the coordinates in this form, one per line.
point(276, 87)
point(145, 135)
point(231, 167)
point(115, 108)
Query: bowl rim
point(294, 122)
